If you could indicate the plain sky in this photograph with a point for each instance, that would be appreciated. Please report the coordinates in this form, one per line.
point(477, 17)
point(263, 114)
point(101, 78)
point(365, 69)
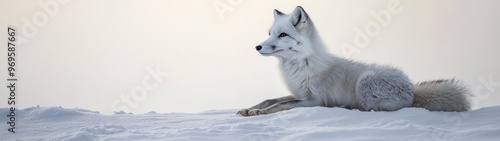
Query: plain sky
point(198, 55)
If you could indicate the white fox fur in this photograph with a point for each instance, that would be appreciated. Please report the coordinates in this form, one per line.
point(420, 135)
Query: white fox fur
point(317, 78)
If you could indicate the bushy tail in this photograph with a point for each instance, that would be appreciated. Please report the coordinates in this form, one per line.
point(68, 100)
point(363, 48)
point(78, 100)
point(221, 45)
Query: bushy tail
point(441, 95)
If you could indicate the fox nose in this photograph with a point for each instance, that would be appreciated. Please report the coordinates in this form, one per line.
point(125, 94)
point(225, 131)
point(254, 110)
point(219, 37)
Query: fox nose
point(258, 47)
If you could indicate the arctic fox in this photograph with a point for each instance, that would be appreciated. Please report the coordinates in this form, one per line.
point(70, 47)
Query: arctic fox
point(317, 78)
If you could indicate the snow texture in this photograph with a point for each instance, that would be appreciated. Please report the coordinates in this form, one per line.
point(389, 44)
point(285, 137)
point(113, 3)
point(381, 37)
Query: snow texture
point(316, 123)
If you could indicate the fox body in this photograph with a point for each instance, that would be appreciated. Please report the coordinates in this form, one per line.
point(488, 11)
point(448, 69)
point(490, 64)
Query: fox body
point(317, 78)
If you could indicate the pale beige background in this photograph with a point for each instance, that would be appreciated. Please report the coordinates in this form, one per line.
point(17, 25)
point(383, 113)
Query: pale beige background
point(92, 53)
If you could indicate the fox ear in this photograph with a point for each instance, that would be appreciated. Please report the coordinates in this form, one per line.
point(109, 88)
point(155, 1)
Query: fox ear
point(277, 14)
point(299, 17)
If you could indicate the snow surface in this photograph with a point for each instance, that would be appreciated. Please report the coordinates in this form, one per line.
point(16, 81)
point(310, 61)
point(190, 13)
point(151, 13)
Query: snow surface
point(316, 123)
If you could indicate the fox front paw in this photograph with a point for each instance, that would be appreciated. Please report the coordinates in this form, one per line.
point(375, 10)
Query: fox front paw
point(243, 112)
point(252, 112)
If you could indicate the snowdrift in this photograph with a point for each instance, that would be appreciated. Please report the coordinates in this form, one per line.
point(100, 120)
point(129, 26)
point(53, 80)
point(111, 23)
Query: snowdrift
point(316, 123)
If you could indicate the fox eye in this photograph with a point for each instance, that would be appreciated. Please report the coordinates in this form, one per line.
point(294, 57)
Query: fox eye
point(283, 35)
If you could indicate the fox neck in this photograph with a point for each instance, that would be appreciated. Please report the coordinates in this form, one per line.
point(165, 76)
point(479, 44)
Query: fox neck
point(306, 66)
point(297, 71)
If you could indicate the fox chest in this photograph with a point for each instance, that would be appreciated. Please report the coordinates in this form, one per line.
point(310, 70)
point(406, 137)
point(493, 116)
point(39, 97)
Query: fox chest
point(298, 78)
point(299, 86)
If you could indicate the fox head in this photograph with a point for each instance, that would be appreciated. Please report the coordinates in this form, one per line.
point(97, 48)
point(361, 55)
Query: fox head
point(291, 36)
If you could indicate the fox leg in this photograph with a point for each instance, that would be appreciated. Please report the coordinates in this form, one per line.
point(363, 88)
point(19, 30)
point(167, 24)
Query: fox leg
point(265, 104)
point(285, 106)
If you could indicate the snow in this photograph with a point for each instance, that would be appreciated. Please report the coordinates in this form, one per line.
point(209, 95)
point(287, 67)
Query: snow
point(315, 123)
